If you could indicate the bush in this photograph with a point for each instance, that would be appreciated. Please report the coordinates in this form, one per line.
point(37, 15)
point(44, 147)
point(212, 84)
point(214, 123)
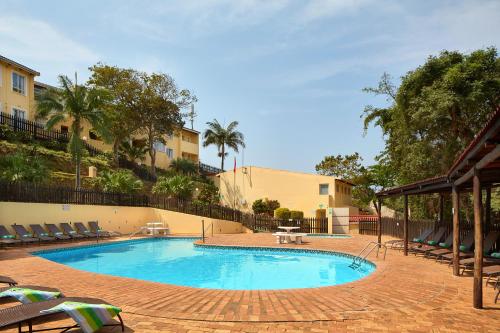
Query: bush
point(184, 166)
point(23, 166)
point(296, 214)
point(264, 206)
point(208, 193)
point(181, 187)
point(121, 181)
point(282, 213)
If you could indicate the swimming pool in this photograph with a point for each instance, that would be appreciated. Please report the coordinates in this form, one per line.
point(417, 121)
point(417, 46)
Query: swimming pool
point(180, 262)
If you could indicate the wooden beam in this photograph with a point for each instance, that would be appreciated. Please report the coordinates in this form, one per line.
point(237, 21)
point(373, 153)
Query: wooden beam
point(487, 209)
point(379, 221)
point(487, 159)
point(405, 225)
point(441, 208)
point(456, 230)
point(478, 243)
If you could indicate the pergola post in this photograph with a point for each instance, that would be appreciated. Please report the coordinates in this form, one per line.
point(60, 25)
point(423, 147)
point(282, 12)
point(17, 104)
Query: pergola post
point(405, 225)
point(478, 242)
point(379, 213)
point(456, 229)
point(441, 208)
point(487, 209)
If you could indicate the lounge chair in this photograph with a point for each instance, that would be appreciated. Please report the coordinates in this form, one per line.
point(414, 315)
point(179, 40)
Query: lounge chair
point(430, 244)
point(6, 237)
point(96, 229)
point(54, 230)
point(488, 244)
point(68, 230)
point(466, 245)
point(425, 249)
point(82, 230)
point(398, 243)
point(491, 272)
point(29, 314)
point(7, 280)
point(23, 234)
point(12, 299)
point(41, 233)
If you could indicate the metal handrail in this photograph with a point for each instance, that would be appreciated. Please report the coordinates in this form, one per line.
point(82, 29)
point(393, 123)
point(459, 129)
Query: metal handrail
point(371, 246)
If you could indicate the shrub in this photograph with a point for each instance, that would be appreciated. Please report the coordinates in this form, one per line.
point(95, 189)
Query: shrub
point(296, 214)
point(23, 166)
point(272, 205)
point(265, 206)
point(121, 181)
point(184, 166)
point(282, 213)
point(208, 193)
point(177, 186)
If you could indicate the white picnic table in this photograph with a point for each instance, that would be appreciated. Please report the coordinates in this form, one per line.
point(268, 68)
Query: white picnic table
point(155, 227)
point(289, 232)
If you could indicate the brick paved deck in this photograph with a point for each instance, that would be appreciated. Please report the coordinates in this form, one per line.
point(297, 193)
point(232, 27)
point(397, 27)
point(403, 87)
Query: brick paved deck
point(410, 294)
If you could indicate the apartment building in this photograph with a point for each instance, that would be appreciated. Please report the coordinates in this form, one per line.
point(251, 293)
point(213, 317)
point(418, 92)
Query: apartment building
point(18, 92)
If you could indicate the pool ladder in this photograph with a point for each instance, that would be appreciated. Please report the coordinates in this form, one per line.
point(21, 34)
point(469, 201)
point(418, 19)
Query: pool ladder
point(365, 252)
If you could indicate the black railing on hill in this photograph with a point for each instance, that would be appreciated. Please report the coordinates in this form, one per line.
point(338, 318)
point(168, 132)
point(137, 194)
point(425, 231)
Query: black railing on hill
point(140, 171)
point(208, 169)
point(39, 132)
point(26, 192)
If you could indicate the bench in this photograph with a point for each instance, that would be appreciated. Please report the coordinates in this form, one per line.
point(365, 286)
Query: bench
point(284, 237)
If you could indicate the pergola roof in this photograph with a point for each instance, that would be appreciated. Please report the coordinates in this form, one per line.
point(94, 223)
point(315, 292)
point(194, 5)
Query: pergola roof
point(482, 155)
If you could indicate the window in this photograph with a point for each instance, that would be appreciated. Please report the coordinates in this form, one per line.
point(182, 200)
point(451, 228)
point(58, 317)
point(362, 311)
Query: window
point(64, 129)
point(93, 135)
point(170, 153)
point(19, 83)
point(159, 146)
point(323, 189)
point(18, 113)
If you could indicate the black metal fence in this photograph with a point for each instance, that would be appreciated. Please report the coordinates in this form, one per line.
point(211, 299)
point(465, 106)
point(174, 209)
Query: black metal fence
point(208, 169)
point(37, 131)
point(270, 224)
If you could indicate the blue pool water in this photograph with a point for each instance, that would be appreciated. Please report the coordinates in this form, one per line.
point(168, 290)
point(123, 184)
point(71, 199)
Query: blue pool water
point(179, 262)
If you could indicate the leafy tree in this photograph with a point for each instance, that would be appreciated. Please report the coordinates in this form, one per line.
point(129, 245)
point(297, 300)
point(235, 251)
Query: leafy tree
point(78, 103)
point(265, 206)
point(133, 152)
point(120, 181)
point(124, 87)
point(23, 166)
point(220, 136)
point(345, 167)
point(208, 193)
point(184, 166)
point(282, 213)
point(179, 186)
point(435, 113)
point(158, 110)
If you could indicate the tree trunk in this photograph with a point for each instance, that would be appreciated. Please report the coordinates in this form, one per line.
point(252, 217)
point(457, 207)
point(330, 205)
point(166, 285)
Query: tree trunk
point(116, 145)
point(77, 184)
point(223, 153)
point(152, 155)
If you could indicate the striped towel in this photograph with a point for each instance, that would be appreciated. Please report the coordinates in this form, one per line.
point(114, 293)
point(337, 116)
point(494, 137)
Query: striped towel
point(26, 295)
point(90, 317)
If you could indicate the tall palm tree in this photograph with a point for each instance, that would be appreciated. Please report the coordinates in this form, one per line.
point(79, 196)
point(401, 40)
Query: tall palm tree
point(78, 103)
point(134, 152)
point(216, 134)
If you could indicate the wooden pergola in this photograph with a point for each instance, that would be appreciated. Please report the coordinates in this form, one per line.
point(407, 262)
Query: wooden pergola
point(476, 169)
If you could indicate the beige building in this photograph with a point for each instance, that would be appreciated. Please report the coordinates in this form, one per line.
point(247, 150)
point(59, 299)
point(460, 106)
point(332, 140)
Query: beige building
point(18, 91)
point(309, 193)
point(17, 94)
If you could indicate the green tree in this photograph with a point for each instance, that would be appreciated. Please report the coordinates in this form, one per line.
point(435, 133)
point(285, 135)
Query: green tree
point(120, 181)
point(184, 166)
point(179, 186)
point(78, 103)
point(125, 88)
point(133, 152)
point(23, 166)
point(220, 136)
point(208, 193)
point(265, 206)
point(345, 167)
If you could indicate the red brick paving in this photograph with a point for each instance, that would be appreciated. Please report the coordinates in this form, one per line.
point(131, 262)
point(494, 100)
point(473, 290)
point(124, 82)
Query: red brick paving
point(409, 294)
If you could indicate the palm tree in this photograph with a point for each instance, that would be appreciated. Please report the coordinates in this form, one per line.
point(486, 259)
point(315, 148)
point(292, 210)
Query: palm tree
point(184, 166)
point(133, 152)
point(78, 103)
point(221, 137)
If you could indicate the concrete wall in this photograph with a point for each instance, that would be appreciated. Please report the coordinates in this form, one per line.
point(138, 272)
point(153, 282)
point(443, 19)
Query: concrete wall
point(112, 218)
point(294, 190)
point(340, 219)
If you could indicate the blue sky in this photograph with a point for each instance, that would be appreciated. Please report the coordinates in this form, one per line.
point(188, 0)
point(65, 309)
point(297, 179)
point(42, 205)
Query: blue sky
point(290, 71)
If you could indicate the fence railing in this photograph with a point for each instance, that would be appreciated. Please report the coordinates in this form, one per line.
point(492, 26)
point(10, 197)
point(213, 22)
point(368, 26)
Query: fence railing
point(271, 224)
point(39, 132)
point(140, 171)
point(208, 169)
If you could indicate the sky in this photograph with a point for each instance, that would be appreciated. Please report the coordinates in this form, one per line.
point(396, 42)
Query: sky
point(291, 72)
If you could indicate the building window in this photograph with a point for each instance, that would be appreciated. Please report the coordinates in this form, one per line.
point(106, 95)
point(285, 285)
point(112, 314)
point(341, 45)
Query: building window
point(19, 83)
point(323, 189)
point(18, 113)
point(170, 153)
point(159, 146)
point(64, 129)
point(93, 135)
